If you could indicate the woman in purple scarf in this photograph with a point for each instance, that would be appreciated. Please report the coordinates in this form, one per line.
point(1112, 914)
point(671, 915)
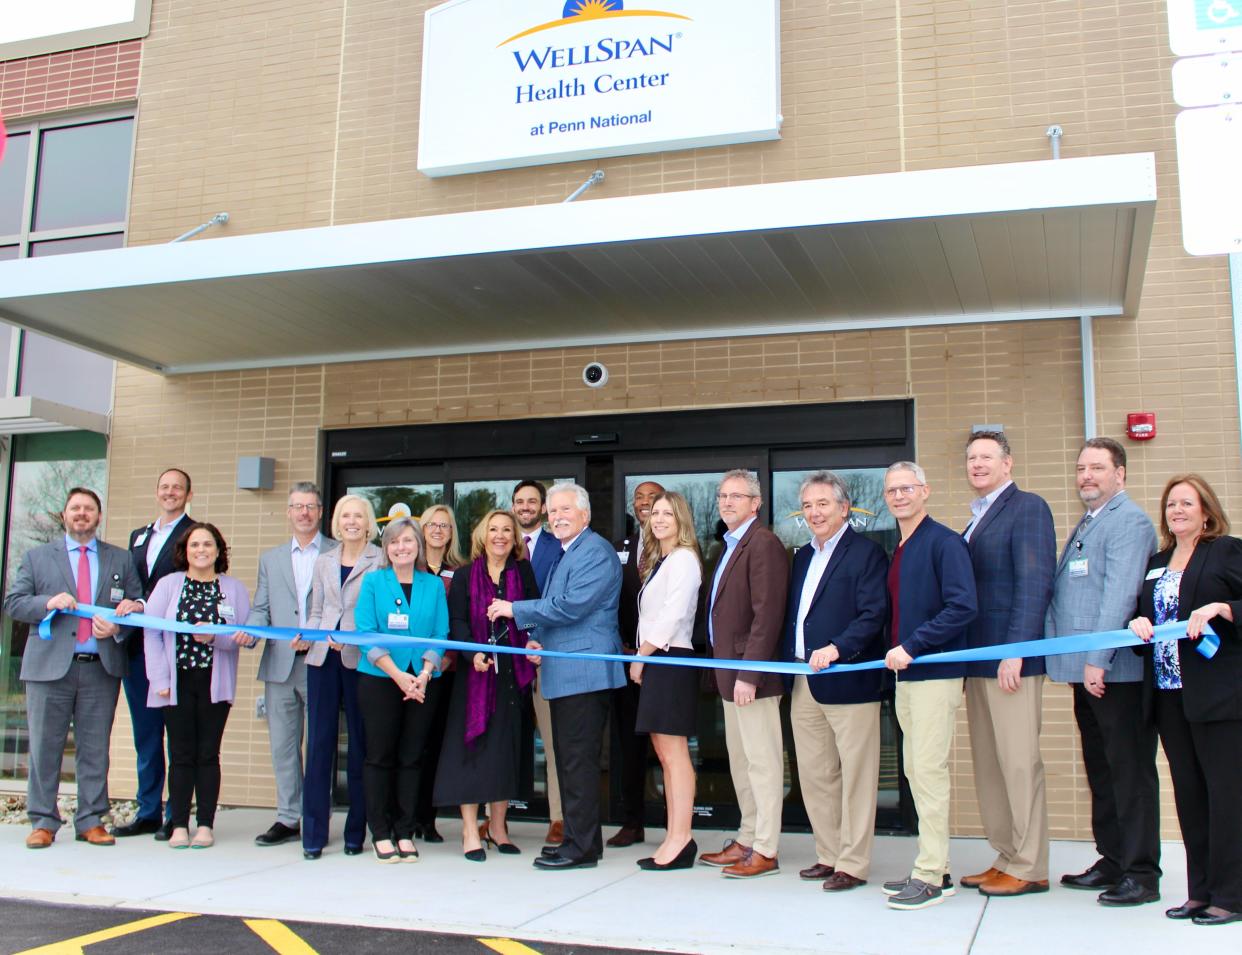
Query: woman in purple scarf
point(482, 748)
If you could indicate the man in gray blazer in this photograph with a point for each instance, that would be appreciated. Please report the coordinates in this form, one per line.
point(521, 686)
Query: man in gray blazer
point(577, 613)
point(282, 599)
point(1096, 588)
point(75, 677)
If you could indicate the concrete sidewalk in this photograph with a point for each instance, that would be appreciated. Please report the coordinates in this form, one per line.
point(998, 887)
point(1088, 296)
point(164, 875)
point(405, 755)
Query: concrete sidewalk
point(615, 904)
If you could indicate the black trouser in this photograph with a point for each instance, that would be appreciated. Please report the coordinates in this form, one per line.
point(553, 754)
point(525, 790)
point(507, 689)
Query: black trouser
point(632, 749)
point(1119, 755)
point(396, 730)
point(425, 811)
point(1205, 761)
point(578, 724)
point(195, 727)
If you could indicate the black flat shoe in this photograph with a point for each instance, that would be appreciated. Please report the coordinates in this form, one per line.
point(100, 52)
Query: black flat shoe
point(139, 827)
point(407, 855)
point(564, 862)
point(390, 856)
point(428, 833)
point(1094, 879)
point(163, 833)
point(1185, 911)
point(1203, 918)
point(277, 834)
point(684, 860)
point(353, 850)
point(547, 852)
point(475, 855)
point(311, 854)
point(1129, 892)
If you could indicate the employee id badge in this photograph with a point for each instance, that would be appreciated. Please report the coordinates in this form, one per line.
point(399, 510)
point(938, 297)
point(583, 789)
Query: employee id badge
point(398, 621)
point(623, 556)
point(1078, 568)
point(226, 612)
point(116, 595)
point(1155, 573)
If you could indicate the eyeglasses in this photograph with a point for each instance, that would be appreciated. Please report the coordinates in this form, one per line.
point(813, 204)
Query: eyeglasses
point(435, 526)
point(303, 508)
point(734, 498)
point(901, 490)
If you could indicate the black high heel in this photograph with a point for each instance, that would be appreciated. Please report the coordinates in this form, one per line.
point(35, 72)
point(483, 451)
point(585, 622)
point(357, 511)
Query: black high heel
point(475, 855)
point(684, 860)
point(504, 848)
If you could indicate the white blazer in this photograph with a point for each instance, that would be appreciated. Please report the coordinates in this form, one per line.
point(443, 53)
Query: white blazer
point(669, 600)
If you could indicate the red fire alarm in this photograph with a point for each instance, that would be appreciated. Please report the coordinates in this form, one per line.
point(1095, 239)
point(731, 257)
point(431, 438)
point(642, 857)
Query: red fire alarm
point(1141, 426)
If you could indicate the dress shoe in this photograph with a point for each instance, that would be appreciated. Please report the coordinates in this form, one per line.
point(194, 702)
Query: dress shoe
point(976, 880)
point(556, 833)
point(1205, 918)
point(1005, 885)
point(842, 881)
point(353, 850)
point(407, 854)
point(753, 866)
point(475, 855)
point(627, 836)
point(1128, 892)
point(386, 857)
point(139, 827)
point(179, 839)
point(1186, 910)
point(164, 832)
point(204, 838)
point(816, 873)
point(732, 853)
point(684, 860)
point(428, 833)
point(504, 848)
point(1095, 878)
point(559, 861)
point(96, 836)
point(310, 855)
point(40, 838)
point(277, 834)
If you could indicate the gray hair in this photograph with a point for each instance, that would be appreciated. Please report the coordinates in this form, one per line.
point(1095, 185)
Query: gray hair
point(831, 480)
point(908, 466)
point(307, 487)
point(581, 497)
point(742, 474)
point(396, 527)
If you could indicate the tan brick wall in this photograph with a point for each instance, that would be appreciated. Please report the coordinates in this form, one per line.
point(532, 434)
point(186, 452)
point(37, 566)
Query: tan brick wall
point(308, 116)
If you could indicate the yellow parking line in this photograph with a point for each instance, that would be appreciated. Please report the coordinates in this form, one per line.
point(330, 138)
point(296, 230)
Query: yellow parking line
point(279, 936)
point(74, 946)
point(507, 946)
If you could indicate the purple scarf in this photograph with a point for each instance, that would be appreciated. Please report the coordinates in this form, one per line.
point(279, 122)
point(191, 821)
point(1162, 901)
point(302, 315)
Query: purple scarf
point(481, 687)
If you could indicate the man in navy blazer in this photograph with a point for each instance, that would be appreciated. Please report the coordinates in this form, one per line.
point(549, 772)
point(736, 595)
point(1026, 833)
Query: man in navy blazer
point(1013, 550)
point(836, 612)
point(931, 597)
point(576, 614)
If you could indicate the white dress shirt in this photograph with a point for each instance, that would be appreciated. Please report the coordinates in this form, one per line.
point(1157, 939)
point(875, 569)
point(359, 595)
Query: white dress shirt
point(303, 572)
point(155, 540)
point(979, 506)
point(532, 539)
point(820, 555)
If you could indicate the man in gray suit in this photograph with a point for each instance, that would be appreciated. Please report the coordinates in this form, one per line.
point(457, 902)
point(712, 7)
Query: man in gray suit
point(1096, 588)
point(577, 613)
point(75, 677)
point(282, 599)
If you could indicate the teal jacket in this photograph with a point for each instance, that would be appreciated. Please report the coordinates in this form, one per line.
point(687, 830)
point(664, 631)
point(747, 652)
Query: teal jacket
point(427, 609)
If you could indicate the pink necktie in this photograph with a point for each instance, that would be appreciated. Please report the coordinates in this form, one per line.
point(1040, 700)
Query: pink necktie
point(84, 593)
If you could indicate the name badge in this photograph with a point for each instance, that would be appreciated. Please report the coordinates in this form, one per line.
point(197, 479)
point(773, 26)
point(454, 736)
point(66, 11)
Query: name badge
point(116, 595)
point(1155, 573)
point(623, 556)
point(226, 612)
point(140, 539)
point(1078, 568)
point(398, 621)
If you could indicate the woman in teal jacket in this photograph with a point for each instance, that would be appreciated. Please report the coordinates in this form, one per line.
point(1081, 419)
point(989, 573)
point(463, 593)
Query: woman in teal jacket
point(395, 684)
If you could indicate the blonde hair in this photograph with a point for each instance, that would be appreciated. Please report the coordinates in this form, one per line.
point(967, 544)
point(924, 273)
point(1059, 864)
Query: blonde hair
point(367, 510)
point(685, 531)
point(478, 539)
point(452, 553)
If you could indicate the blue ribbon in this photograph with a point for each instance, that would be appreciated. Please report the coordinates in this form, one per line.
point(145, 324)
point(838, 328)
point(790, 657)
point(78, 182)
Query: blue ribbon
point(1052, 646)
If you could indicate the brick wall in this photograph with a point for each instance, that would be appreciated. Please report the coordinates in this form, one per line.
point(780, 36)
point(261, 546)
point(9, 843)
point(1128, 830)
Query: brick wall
point(75, 79)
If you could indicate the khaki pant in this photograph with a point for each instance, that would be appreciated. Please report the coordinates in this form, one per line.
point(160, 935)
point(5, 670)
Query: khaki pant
point(838, 748)
point(757, 765)
point(1009, 773)
point(543, 722)
point(926, 711)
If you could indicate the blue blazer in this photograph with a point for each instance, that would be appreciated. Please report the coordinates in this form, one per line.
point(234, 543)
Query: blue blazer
point(577, 613)
point(849, 610)
point(1014, 554)
point(546, 556)
point(427, 609)
point(936, 599)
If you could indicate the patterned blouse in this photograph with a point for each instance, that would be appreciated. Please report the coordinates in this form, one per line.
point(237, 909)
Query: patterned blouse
point(200, 603)
point(1168, 670)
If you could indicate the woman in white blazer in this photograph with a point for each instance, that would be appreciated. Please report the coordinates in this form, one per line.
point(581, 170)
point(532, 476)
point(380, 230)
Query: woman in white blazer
point(672, 572)
point(332, 678)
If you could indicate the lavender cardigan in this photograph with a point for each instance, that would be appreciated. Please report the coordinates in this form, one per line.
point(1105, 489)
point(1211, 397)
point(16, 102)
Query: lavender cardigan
point(161, 645)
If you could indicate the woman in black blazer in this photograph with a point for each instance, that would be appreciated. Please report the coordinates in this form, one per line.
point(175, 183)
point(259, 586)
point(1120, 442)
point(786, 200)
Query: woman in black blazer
point(1197, 702)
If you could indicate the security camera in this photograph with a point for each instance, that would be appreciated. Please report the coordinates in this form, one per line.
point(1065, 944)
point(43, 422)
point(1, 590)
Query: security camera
point(595, 375)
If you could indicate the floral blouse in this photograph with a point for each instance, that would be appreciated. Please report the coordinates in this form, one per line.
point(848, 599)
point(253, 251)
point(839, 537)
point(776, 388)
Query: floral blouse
point(200, 603)
point(1168, 669)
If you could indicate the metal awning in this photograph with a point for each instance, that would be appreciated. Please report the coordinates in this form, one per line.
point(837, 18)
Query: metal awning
point(1019, 241)
point(29, 415)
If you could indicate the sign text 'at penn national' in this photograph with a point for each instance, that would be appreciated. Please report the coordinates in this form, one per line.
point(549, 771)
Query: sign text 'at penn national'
point(510, 83)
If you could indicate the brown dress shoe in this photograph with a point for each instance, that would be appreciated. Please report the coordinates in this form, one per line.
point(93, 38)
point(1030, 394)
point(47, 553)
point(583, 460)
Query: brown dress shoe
point(816, 873)
point(556, 833)
point(974, 881)
point(627, 836)
point(97, 836)
point(40, 838)
point(1005, 885)
point(841, 881)
point(753, 866)
point(732, 853)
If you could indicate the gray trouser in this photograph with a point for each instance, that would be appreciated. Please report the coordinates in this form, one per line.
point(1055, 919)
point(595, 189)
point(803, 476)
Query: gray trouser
point(286, 723)
point(86, 698)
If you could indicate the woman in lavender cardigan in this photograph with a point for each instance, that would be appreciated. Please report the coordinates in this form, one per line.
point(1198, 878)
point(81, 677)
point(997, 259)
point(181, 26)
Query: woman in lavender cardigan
point(194, 677)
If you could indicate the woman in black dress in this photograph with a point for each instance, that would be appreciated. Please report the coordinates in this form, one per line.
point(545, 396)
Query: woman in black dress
point(482, 748)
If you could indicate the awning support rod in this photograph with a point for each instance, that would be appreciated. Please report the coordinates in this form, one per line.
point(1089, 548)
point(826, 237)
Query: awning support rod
point(1088, 377)
point(220, 218)
point(593, 180)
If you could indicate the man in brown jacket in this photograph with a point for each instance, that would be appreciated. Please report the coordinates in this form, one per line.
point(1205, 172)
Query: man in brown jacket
point(746, 611)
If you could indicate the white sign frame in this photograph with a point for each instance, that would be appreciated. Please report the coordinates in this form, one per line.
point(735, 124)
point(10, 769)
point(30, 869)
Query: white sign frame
point(54, 26)
point(1189, 37)
point(1209, 156)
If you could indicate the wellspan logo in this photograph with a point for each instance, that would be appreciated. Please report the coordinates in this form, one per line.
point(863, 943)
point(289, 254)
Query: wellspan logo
point(580, 11)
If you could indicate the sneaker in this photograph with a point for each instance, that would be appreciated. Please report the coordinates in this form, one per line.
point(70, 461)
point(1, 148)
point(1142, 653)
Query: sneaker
point(947, 889)
point(916, 895)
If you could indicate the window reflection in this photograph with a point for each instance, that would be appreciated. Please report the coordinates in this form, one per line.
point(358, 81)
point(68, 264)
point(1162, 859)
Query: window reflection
point(84, 174)
point(13, 184)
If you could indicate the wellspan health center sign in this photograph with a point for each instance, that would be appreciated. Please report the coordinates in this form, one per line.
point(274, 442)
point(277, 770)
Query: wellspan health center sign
point(511, 83)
